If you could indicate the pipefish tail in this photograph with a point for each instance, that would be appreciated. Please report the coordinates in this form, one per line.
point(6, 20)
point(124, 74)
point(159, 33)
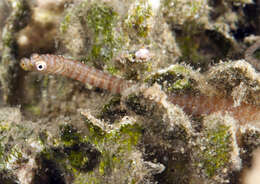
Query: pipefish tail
point(249, 55)
point(205, 105)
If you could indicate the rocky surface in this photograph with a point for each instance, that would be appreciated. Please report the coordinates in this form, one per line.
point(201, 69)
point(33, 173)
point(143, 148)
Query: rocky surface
point(56, 130)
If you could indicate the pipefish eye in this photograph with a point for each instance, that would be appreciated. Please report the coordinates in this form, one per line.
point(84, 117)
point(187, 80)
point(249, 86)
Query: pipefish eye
point(40, 65)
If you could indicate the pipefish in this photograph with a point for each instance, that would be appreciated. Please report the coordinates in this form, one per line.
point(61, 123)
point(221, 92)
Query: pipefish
point(195, 105)
point(56, 64)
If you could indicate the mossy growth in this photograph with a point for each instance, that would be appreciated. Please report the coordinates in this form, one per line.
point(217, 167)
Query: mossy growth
point(257, 54)
point(174, 80)
point(112, 110)
point(98, 149)
point(250, 141)
point(135, 70)
point(69, 135)
point(180, 12)
point(137, 104)
point(137, 20)
point(126, 135)
point(216, 154)
point(71, 151)
point(10, 155)
point(65, 23)
point(190, 49)
point(114, 147)
point(124, 141)
point(12, 143)
point(95, 135)
point(101, 20)
point(33, 109)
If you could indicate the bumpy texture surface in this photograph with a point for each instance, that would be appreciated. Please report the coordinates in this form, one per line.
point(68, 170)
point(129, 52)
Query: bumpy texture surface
point(249, 55)
point(190, 116)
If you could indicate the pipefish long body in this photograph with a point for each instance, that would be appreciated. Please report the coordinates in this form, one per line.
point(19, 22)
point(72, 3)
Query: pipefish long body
point(195, 105)
point(56, 64)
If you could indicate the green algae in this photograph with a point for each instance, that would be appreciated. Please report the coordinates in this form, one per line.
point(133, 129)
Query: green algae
point(185, 11)
point(94, 29)
point(69, 135)
point(113, 148)
point(111, 110)
point(135, 104)
point(175, 79)
point(33, 109)
point(70, 152)
point(76, 155)
point(117, 157)
point(190, 48)
point(112, 70)
point(137, 20)
point(216, 154)
point(126, 135)
point(64, 25)
point(101, 20)
point(12, 143)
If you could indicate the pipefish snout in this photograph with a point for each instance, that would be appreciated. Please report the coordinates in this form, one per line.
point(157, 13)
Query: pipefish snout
point(55, 64)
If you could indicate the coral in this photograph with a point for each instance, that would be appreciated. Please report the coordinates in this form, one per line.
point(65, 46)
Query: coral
point(191, 115)
point(218, 150)
point(138, 19)
point(98, 21)
point(181, 12)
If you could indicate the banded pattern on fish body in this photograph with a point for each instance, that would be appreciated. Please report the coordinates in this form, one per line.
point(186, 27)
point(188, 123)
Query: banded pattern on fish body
point(205, 105)
point(53, 64)
point(194, 105)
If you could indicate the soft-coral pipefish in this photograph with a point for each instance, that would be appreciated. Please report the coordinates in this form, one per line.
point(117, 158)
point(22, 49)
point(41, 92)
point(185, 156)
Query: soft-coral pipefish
point(195, 105)
point(53, 64)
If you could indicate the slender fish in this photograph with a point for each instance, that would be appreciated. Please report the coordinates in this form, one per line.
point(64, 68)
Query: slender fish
point(195, 105)
point(53, 64)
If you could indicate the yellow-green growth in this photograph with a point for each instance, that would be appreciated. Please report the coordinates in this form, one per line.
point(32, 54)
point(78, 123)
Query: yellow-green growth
point(134, 103)
point(101, 20)
point(173, 80)
point(137, 20)
point(216, 155)
point(69, 135)
point(112, 111)
point(189, 47)
point(115, 148)
point(65, 23)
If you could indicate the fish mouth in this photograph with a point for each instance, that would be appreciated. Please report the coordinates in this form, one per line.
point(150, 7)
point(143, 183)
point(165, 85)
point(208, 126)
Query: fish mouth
point(25, 64)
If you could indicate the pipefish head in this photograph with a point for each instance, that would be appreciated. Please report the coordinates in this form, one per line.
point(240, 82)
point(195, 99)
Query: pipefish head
point(35, 63)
